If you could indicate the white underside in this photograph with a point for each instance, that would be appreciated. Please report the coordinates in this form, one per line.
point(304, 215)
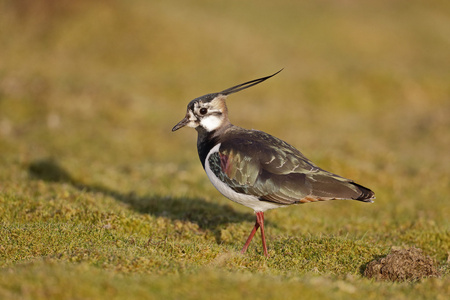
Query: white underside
point(247, 200)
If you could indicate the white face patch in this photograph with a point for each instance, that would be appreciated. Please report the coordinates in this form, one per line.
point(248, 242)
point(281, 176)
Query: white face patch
point(211, 122)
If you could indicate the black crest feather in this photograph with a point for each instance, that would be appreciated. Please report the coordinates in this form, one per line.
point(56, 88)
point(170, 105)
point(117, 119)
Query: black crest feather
point(245, 85)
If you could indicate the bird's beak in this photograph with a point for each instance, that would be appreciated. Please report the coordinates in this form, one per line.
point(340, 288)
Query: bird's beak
point(180, 124)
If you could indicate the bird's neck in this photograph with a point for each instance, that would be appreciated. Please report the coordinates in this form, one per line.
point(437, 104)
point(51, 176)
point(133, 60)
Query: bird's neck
point(206, 140)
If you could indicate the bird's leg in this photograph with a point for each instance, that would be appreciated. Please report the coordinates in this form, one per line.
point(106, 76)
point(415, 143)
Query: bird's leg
point(258, 224)
point(260, 221)
point(251, 235)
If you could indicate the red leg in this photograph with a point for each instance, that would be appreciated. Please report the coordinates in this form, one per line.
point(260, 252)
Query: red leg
point(258, 224)
point(260, 220)
point(250, 236)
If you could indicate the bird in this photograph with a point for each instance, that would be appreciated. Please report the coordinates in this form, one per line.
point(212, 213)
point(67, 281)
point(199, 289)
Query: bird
point(256, 169)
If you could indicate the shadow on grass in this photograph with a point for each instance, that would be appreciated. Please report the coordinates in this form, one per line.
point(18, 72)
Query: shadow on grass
point(207, 215)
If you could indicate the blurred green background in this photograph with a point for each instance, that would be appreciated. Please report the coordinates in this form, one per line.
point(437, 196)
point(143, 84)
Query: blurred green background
point(89, 167)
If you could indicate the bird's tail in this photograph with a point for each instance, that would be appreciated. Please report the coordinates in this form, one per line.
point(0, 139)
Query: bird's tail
point(329, 186)
point(366, 195)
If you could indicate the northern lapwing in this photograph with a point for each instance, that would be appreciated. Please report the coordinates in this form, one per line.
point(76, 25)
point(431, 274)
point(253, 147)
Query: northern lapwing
point(256, 169)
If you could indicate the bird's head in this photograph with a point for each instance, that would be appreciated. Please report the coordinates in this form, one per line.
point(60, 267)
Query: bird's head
point(209, 112)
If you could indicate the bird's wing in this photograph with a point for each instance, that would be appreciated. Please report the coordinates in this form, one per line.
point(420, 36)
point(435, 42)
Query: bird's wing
point(270, 169)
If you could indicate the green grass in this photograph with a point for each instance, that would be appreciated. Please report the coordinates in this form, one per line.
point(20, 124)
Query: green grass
point(98, 199)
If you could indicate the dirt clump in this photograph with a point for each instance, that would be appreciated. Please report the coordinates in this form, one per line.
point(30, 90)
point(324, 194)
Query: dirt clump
point(402, 265)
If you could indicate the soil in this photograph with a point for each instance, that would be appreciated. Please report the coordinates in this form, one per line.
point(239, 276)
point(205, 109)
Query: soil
point(402, 265)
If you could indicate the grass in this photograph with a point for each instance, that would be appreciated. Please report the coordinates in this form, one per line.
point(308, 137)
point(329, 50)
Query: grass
point(98, 199)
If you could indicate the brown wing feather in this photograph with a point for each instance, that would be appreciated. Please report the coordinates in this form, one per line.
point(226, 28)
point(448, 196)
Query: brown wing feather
point(257, 163)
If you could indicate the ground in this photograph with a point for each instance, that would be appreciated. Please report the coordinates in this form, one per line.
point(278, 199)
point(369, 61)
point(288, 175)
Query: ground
point(99, 199)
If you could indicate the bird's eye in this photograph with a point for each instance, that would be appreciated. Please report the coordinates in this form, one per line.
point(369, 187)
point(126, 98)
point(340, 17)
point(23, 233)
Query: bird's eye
point(203, 111)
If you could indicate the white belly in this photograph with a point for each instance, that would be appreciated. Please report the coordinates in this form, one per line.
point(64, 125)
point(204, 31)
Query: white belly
point(247, 200)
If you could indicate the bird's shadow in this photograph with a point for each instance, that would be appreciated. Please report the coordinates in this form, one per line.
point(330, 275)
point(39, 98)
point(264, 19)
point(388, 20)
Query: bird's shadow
point(207, 215)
